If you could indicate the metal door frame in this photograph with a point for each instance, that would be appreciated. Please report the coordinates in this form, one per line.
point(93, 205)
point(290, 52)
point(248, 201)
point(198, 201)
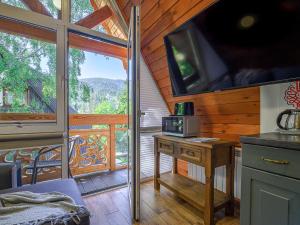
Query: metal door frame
point(134, 173)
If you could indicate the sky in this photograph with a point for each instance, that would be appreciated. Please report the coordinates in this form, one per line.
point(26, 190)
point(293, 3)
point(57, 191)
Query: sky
point(96, 65)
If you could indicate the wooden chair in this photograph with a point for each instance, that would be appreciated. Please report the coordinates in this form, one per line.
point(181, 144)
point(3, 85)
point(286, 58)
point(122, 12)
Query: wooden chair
point(38, 164)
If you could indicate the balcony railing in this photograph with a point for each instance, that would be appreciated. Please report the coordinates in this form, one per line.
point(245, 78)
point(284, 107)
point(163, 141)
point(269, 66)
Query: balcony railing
point(97, 148)
point(102, 145)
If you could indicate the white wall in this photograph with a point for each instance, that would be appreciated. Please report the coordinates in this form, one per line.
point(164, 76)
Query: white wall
point(272, 102)
point(155, 108)
point(152, 102)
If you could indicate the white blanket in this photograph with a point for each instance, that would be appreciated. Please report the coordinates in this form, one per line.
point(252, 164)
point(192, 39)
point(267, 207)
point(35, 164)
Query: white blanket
point(35, 208)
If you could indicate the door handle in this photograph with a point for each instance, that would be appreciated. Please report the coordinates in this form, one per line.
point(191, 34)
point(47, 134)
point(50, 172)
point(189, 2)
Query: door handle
point(280, 162)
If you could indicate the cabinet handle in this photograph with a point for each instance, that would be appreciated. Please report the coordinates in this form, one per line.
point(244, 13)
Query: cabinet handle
point(164, 146)
point(190, 153)
point(281, 162)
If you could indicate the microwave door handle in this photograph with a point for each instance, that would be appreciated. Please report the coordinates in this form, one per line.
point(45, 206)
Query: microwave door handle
point(184, 128)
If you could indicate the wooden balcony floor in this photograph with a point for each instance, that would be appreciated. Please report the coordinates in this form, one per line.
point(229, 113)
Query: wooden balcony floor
point(101, 181)
point(159, 208)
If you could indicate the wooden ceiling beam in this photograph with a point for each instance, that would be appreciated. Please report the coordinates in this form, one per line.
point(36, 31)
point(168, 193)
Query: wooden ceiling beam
point(75, 41)
point(25, 30)
point(96, 17)
point(94, 4)
point(95, 46)
point(37, 6)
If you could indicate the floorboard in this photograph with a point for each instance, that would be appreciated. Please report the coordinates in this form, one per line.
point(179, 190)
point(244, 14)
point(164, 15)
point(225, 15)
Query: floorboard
point(157, 208)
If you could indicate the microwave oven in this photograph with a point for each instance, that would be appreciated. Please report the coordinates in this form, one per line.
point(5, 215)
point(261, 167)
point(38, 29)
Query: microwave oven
point(180, 126)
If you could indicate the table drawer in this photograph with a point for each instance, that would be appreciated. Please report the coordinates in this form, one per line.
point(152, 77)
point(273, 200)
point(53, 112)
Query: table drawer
point(275, 160)
point(190, 153)
point(166, 147)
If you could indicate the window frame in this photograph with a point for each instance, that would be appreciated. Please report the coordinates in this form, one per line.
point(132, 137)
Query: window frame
point(62, 27)
point(21, 127)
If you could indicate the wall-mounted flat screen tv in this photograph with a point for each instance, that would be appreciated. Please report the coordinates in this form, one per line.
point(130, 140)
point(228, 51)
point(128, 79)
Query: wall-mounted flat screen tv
point(234, 44)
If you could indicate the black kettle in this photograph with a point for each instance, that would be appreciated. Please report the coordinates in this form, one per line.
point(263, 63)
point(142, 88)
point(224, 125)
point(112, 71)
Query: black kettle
point(292, 121)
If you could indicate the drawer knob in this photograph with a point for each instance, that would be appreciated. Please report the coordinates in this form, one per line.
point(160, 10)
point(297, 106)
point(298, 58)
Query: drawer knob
point(281, 162)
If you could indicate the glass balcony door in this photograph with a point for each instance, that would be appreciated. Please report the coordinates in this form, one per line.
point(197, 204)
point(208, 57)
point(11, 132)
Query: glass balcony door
point(97, 112)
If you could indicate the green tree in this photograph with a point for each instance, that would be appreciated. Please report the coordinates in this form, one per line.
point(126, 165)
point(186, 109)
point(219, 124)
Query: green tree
point(80, 9)
point(114, 107)
point(105, 107)
point(123, 101)
point(24, 61)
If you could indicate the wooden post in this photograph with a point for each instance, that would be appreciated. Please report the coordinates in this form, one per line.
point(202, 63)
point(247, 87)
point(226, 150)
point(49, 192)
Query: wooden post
point(175, 165)
point(209, 188)
point(156, 165)
point(112, 136)
point(229, 210)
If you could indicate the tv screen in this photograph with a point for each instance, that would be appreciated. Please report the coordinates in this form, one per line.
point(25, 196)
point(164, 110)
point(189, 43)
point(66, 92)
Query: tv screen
point(235, 44)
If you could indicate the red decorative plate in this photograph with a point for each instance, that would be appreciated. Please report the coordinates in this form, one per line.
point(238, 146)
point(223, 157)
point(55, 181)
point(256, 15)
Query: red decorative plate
point(292, 95)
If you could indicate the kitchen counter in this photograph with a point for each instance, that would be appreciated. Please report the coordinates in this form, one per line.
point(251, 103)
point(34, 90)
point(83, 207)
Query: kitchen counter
point(277, 140)
point(270, 179)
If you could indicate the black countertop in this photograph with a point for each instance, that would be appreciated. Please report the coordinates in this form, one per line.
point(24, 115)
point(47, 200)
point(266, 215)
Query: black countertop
point(274, 140)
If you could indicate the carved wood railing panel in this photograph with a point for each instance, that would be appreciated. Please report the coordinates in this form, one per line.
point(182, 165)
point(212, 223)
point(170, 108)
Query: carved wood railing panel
point(91, 153)
point(27, 156)
point(94, 152)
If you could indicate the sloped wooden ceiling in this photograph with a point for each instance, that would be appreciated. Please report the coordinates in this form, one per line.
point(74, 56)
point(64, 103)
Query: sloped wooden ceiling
point(226, 114)
point(111, 24)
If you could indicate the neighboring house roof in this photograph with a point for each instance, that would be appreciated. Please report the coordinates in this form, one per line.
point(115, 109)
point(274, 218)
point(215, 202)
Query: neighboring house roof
point(36, 88)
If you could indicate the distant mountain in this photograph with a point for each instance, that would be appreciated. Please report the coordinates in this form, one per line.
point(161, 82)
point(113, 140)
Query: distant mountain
point(101, 89)
point(105, 86)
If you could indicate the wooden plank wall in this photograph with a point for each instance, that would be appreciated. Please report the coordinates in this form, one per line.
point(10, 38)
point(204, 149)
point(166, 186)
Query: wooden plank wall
point(226, 114)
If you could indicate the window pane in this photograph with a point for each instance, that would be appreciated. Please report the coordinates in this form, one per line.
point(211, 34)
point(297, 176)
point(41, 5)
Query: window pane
point(97, 77)
point(46, 7)
point(27, 72)
point(96, 15)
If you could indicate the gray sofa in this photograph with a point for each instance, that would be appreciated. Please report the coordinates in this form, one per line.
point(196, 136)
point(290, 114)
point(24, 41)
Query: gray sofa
point(65, 186)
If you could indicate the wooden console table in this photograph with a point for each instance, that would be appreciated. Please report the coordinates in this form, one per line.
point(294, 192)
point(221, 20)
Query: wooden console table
point(209, 155)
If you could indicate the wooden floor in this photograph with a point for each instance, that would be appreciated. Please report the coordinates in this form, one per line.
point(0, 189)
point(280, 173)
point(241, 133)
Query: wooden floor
point(160, 208)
